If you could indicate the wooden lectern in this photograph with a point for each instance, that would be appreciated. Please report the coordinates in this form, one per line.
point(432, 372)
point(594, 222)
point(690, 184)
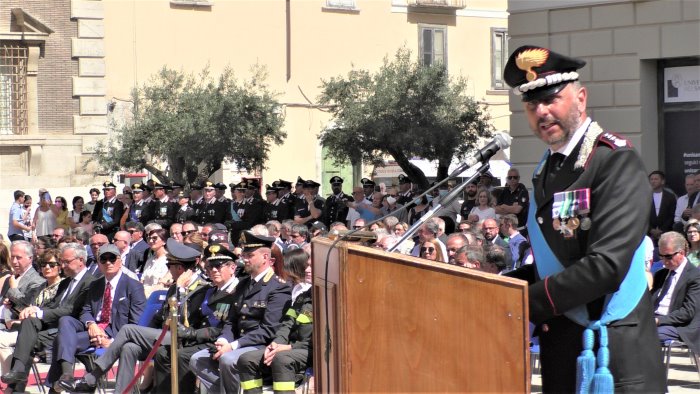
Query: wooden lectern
point(403, 324)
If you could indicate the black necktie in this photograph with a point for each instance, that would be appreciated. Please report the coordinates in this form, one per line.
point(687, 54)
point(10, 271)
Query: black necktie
point(555, 160)
point(664, 289)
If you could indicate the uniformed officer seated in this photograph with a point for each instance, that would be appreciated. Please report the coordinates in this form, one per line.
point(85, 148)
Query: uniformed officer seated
point(260, 301)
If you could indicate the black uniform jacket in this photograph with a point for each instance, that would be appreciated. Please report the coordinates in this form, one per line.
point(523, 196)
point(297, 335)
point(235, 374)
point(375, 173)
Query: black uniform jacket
point(595, 263)
point(297, 327)
point(257, 310)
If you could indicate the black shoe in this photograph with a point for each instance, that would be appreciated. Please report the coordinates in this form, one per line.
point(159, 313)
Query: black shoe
point(14, 377)
point(77, 386)
point(65, 382)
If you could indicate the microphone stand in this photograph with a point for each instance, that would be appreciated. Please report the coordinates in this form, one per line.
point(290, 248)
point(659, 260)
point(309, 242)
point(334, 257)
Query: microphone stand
point(443, 201)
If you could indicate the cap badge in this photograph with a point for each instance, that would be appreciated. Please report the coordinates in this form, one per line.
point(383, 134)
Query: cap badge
point(530, 58)
point(214, 249)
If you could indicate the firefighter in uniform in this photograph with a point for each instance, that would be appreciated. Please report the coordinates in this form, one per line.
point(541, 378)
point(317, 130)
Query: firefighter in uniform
point(292, 348)
point(335, 208)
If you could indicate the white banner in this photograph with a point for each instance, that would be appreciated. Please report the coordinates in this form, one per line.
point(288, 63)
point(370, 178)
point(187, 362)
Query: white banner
point(682, 84)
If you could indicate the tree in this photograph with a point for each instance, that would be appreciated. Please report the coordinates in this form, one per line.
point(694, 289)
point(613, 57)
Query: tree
point(184, 126)
point(404, 110)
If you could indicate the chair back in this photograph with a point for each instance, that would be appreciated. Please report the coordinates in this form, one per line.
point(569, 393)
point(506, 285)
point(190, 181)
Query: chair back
point(153, 305)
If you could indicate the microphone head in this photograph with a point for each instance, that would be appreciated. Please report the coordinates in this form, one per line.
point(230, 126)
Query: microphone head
point(503, 140)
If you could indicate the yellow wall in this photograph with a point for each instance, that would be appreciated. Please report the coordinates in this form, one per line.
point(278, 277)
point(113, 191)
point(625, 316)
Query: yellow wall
point(143, 35)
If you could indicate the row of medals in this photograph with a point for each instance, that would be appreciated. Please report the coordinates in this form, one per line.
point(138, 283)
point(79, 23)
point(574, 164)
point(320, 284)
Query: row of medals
point(570, 225)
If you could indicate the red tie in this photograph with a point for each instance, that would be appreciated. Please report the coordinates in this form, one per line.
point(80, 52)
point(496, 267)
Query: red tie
point(106, 307)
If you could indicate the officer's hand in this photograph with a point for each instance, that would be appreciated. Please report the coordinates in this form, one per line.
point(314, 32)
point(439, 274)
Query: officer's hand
point(221, 349)
point(272, 349)
point(186, 332)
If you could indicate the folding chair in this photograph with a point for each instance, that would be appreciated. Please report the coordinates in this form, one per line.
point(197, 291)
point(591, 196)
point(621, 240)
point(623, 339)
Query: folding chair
point(666, 348)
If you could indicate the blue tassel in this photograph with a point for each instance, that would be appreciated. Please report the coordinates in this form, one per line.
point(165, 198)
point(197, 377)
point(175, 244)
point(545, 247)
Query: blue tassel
point(585, 363)
point(603, 380)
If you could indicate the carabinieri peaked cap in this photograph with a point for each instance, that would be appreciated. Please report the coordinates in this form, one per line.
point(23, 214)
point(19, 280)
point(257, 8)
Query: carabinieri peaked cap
point(535, 72)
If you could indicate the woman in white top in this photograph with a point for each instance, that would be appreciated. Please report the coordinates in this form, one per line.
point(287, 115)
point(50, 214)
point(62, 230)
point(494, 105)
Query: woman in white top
point(155, 275)
point(483, 210)
point(45, 215)
point(78, 207)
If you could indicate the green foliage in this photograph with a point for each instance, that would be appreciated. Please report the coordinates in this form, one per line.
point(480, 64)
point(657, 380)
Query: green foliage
point(189, 124)
point(405, 110)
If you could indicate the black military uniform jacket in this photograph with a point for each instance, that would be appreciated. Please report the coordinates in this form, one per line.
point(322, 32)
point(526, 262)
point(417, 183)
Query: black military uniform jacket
point(214, 212)
point(335, 209)
point(297, 327)
point(277, 210)
point(164, 212)
point(141, 211)
point(520, 196)
point(110, 222)
point(302, 208)
point(595, 262)
point(290, 202)
point(184, 215)
point(257, 310)
point(251, 212)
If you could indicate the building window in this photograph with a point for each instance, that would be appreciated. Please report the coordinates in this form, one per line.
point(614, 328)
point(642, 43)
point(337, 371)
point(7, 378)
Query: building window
point(340, 4)
point(13, 89)
point(433, 45)
point(499, 57)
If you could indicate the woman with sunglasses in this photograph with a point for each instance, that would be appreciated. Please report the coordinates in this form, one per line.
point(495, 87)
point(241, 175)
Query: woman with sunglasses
point(155, 275)
point(692, 233)
point(431, 251)
point(51, 271)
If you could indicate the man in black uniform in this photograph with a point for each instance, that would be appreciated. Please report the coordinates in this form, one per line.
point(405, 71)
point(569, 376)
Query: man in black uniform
point(140, 211)
point(275, 208)
point(174, 190)
point(335, 208)
point(184, 212)
point(469, 200)
point(514, 199)
point(405, 190)
point(251, 211)
point(212, 210)
point(368, 188)
point(288, 199)
point(260, 301)
point(591, 197)
point(163, 208)
point(196, 198)
point(310, 208)
point(108, 211)
point(221, 193)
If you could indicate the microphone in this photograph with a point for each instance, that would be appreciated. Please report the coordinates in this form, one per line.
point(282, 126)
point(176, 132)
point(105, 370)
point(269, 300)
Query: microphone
point(353, 235)
point(483, 155)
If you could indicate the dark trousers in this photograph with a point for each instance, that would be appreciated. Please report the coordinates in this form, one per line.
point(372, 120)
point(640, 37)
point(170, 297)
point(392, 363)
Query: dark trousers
point(284, 368)
point(16, 237)
point(186, 378)
point(34, 335)
point(74, 338)
point(667, 333)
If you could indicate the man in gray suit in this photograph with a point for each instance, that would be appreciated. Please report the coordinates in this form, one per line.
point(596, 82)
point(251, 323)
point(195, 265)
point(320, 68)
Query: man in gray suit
point(24, 284)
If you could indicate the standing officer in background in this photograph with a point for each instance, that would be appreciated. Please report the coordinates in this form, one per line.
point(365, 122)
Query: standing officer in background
point(335, 209)
point(108, 211)
point(587, 219)
point(164, 209)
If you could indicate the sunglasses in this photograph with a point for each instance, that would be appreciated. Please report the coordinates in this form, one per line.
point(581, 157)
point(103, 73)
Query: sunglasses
point(428, 249)
point(153, 239)
point(169, 264)
point(188, 232)
point(215, 266)
point(108, 259)
point(668, 256)
point(133, 231)
point(512, 177)
point(51, 264)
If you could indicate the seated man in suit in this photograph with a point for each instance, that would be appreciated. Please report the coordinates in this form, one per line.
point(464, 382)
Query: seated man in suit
point(39, 326)
point(260, 300)
point(676, 291)
point(134, 342)
point(112, 302)
point(24, 284)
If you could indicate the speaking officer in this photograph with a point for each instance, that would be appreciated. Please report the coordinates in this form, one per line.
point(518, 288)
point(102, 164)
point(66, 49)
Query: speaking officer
point(335, 208)
point(260, 300)
point(585, 225)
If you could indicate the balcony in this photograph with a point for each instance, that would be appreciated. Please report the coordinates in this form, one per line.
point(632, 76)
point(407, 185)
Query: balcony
point(436, 6)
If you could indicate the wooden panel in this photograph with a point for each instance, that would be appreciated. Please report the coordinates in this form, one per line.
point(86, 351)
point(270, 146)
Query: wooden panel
point(407, 325)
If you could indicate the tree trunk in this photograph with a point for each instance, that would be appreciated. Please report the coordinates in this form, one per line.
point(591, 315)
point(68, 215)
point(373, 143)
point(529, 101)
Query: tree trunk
point(158, 173)
point(413, 172)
